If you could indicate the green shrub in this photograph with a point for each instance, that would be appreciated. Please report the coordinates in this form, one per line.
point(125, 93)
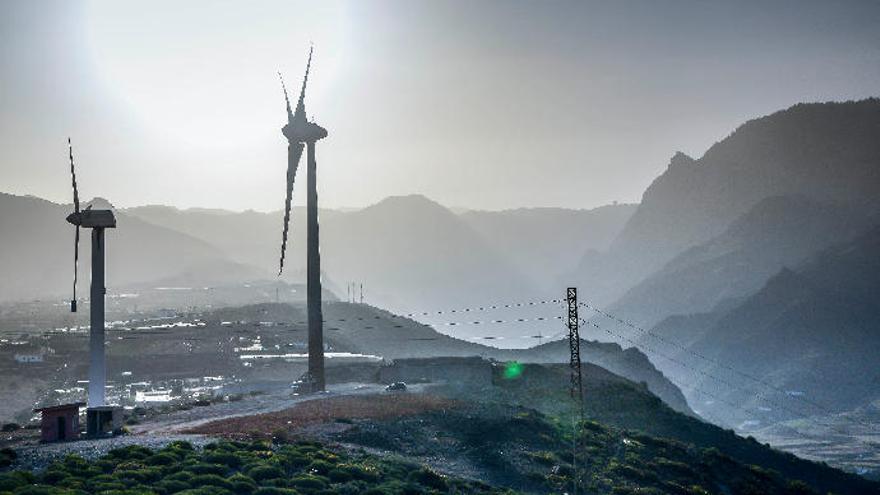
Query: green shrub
point(104, 465)
point(130, 491)
point(180, 445)
point(265, 472)
point(42, 490)
point(72, 482)
point(133, 476)
point(130, 453)
point(104, 486)
point(10, 481)
point(362, 472)
point(293, 460)
point(205, 468)
point(223, 458)
point(308, 483)
point(428, 478)
point(319, 467)
point(241, 484)
point(53, 475)
point(271, 490)
point(206, 490)
point(351, 488)
point(210, 480)
point(172, 486)
point(184, 476)
point(161, 459)
point(338, 475)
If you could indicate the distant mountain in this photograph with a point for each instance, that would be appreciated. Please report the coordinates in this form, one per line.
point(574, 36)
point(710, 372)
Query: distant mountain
point(410, 252)
point(547, 243)
point(36, 252)
point(810, 335)
point(248, 237)
point(780, 231)
point(826, 152)
point(413, 253)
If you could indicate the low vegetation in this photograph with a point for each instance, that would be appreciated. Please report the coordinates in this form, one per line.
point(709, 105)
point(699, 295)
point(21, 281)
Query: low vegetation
point(233, 468)
point(522, 449)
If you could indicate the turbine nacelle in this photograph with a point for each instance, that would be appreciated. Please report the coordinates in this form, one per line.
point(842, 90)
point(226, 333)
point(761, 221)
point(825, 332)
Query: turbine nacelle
point(303, 132)
point(93, 219)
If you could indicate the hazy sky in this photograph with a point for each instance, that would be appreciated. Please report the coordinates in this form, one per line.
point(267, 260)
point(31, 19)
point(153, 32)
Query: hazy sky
point(475, 104)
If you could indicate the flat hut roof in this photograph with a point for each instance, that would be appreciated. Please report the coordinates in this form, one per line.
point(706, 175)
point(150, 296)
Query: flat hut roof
point(60, 407)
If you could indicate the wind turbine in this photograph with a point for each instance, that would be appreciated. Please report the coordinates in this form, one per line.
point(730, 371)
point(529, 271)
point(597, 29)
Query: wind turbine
point(300, 131)
point(97, 220)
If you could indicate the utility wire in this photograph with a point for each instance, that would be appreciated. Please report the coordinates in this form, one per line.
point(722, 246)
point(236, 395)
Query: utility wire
point(728, 403)
point(716, 362)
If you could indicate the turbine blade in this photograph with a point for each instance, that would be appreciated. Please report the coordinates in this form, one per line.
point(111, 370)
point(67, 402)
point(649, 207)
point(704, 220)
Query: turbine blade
point(75, 269)
point(294, 152)
point(286, 99)
point(73, 177)
point(301, 105)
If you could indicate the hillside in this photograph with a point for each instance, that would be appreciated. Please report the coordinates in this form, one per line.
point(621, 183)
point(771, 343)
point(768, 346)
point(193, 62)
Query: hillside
point(517, 433)
point(224, 468)
point(826, 152)
point(827, 306)
point(36, 252)
point(630, 363)
point(780, 231)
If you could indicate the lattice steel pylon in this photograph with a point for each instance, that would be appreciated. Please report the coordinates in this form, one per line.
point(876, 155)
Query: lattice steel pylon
point(574, 344)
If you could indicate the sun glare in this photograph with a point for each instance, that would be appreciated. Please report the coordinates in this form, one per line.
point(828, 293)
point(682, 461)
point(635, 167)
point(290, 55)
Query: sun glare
point(209, 79)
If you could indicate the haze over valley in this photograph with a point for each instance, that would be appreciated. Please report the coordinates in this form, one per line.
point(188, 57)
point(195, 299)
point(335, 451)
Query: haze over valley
point(632, 282)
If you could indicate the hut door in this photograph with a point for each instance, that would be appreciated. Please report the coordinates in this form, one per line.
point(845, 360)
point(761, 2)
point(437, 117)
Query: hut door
point(62, 428)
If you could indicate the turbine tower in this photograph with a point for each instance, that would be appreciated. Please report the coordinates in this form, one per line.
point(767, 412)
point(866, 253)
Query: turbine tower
point(299, 131)
point(97, 220)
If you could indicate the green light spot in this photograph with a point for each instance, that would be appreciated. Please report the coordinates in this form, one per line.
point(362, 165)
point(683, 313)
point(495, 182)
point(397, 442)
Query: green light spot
point(512, 369)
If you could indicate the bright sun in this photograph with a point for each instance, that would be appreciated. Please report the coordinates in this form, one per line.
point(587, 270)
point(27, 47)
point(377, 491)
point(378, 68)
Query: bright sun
point(206, 77)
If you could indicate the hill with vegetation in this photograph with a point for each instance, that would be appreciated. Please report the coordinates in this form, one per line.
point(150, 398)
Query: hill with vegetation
point(228, 468)
point(523, 433)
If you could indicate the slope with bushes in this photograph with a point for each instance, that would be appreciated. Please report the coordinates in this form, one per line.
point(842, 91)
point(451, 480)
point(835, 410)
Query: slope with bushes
point(229, 468)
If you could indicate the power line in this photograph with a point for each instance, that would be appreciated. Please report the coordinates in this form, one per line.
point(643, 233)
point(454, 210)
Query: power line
point(730, 404)
point(716, 362)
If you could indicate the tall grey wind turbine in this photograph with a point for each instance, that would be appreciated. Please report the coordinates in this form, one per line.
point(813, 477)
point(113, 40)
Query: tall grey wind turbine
point(299, 131)
point(97, 220)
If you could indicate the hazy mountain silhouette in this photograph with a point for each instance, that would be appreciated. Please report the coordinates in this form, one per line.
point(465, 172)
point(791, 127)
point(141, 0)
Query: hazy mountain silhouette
point(411, 252)
point(827, 152)
point(779, 231)
point(811, 331)
point(414, 253)
point(36, 251)
point(546, 243)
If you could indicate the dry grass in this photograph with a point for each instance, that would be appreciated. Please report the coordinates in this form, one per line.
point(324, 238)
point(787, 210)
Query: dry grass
point(286, 422)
